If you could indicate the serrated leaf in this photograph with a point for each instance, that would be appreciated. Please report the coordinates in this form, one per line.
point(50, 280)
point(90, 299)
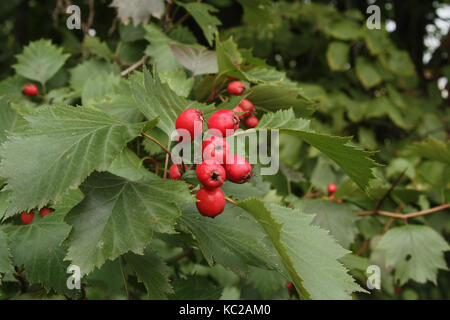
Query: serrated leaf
point(338, 56)
point(38, 246)
point(152, 271)
point(156, 99)
point(307, 252)
point(416, 252)
point(5, 255)
point(80, 74)
point(265, 281)
point(271, 97)
point(367, 73)
point(69, 142)
point(177, 81)
point(432, 148)
point(128, 165)
point(97, 87)
point(198, 60)
point(354, 162)
point(98, 47)
point(201, 12)
point(338, 218)
point(40, 61)
point(118, 215)
point(195, 288)
point(232, 239)
point(159, 49)
point(8, 118)
point(139, 10)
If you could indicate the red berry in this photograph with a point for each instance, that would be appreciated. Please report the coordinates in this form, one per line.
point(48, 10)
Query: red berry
point(238, 169)
point(236, 88)
point(247, 105)
point(332, 188)
point(174, 172)
point(27, 217)
point(339, 201)
point(215, 148)
point(331, 197)
point(238, 110)
point(224, 121)
point(30, 89)
point(45, 211)
point(211, 202)
point(251, 122)
point(210, 174)
point(190, 120)
point(398, 289)
point(289, 286)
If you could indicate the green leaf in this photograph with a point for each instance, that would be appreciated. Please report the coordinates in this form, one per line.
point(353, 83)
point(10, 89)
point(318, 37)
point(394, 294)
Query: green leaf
point(416, 252)
point(266, 281)
point(354, 162)
point(97, 87)
point(432, 148)
point(8, 118)
point(156, 99)
point(40, 61)
point(80, 74)
point(338, 218)
point(344, 29)
point(397, 61)
point(232, 239)
point(271, 97)
point(307, 252)
point(118, 215)
point(138, 10)
point(177, 81)
point(197, 60)
point(338, 56)
point(196, 288)
point(38, 248)
point(367, 73)
point(201, 12)
point(5, 255)
point(152, 271)
point(128, 165)
point(69, 142)
point(98, 47)
point(159, 49)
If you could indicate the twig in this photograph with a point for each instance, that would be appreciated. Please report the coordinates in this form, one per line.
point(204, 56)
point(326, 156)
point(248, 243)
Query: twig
point(182, 19)
point(133, 66)
point(404, 216)
point(166, 163)
point(386, 195)
point(231, 201)
point(179, 256)
point(157, 142)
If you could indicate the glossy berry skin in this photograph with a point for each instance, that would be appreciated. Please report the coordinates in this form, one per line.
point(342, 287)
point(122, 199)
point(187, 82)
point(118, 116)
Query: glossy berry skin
point(236, 88)
point(289, 286)
point(251, 122)
point(30, 89)
point(210, 174)
point(174, 172)
point(187, 121)
point(211, 202)
point(238, 169)
point(332, 188)
point(224, 121)
point(45, 211)
point(27, 218)
point(215, 148)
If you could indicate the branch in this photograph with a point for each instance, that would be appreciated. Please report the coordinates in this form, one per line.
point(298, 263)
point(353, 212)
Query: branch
point(380, 202)
point(133, 66)
point(179, 256)
point(404, 216)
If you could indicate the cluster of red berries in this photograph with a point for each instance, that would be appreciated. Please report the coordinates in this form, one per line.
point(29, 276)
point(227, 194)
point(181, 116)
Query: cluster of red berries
point(30, 89)
point(218, 165)
point(27, 217)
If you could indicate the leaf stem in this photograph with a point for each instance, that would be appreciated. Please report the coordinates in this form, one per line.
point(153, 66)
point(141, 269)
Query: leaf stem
point(231, 200)
point(157, 142)
point(134, 66)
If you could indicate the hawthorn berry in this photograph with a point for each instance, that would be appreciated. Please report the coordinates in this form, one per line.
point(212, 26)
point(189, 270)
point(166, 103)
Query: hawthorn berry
point(289, 286)
point(238, 110)
point(251, 122)
point(398, 289)
point(27, 218)
point(247, 105)
point(236, 88)
point(215, 148)
point(188, 120)
point(224, 121)
point(332, 188)
point(210, 174)
point(174, 172)
point(45, 211)
point(238, 169)
point(30, 89)
point(211, 202)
